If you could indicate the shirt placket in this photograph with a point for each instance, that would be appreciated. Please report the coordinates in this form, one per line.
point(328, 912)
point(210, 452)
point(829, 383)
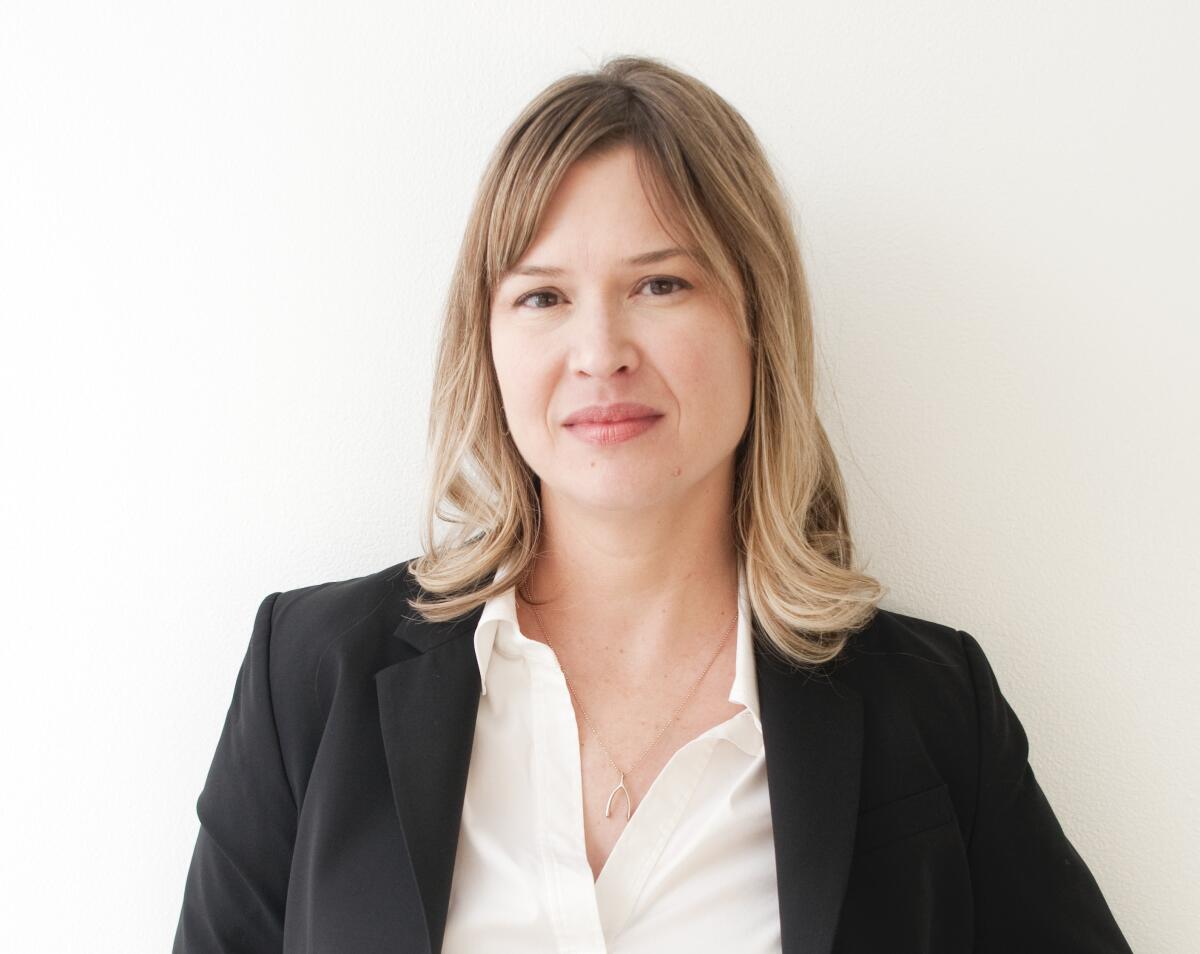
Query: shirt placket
point(647, 833)
point(570, 888)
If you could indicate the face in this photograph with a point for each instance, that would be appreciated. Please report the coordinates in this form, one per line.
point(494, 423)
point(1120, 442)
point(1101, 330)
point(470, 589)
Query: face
point(603, 329)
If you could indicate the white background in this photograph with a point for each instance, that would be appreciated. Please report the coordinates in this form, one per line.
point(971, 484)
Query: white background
point(226, 230)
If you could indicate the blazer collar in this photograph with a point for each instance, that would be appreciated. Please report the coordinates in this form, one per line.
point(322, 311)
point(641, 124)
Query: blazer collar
point(812, 732)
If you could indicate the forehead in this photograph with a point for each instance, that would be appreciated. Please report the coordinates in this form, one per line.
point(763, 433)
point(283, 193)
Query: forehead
point(599, 215)
point(528, 266)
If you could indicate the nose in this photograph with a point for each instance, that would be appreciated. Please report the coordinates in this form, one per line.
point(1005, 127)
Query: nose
point(601, 343)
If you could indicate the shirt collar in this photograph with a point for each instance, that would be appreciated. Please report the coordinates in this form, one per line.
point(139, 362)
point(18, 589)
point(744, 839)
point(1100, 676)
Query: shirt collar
point(498, 630)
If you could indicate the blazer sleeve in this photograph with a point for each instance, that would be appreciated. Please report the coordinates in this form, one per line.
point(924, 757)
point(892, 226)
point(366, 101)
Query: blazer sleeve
point(236, 885)
point(1033, 892)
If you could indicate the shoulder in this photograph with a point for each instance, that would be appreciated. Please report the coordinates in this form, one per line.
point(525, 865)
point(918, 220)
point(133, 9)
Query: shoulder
point(920, 708)
point(325, 638)
point(912, 669)
point(311, 613)
point(913, 652)
point(307, 622)
point(892, 639)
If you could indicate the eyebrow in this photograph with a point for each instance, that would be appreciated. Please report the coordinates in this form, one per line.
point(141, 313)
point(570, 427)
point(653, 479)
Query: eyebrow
point(645, 258)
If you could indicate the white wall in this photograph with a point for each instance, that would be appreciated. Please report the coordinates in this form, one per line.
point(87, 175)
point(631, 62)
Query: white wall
point(225, 234)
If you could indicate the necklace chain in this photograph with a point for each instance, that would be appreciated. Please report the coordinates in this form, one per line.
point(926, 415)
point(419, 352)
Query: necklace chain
point(621, 784)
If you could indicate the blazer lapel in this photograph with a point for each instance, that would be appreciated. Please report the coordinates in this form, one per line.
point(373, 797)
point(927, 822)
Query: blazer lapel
point(812, 733)
point(427, 710)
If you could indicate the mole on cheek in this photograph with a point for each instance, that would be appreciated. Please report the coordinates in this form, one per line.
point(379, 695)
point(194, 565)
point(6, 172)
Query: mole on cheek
point(676, 471)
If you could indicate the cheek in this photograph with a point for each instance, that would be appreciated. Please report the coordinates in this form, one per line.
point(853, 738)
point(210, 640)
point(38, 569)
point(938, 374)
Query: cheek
point(524, 379)
point(714, 379)
point(508, 358)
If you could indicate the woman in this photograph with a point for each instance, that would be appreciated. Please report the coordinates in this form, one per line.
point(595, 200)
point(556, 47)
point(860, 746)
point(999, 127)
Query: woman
point(640, 699)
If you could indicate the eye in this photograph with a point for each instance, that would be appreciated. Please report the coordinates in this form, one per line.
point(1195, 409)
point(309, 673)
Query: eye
point(533, 294)
point(656, 280)
point(666, 279)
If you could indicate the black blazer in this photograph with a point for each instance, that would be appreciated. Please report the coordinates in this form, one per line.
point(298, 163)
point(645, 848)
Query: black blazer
point(906, 816)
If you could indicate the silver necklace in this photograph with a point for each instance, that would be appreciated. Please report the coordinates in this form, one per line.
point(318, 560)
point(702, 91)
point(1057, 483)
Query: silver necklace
point(620, 787)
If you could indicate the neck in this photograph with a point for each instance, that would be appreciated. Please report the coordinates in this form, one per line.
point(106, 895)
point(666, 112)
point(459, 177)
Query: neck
point(630, 596)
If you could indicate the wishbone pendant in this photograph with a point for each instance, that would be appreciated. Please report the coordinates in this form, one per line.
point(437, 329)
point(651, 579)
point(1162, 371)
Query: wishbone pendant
point(620, 788)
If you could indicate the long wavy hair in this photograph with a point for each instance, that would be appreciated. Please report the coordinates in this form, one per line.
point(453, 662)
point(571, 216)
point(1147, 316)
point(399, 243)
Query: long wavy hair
point(707, 178)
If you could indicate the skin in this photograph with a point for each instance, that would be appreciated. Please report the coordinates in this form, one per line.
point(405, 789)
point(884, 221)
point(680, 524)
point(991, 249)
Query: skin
point(637, 553)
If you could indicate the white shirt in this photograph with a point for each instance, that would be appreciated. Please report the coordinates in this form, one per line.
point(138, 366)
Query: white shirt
point(693, 869)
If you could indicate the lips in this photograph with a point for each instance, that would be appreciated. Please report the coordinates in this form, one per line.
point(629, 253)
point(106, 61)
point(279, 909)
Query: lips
point(611, 413)
point(604, 424)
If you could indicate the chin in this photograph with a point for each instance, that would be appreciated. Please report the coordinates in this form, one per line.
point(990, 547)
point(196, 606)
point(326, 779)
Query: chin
point(615, 491)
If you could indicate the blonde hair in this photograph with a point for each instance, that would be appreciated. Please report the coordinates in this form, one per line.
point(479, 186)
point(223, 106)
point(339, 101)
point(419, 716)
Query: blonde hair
point(705, 172)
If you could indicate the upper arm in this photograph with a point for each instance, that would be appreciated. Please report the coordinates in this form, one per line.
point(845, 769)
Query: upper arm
point(237, 882)
point(1032, 890)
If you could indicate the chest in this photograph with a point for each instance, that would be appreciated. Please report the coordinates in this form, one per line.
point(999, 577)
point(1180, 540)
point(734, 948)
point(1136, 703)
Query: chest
point(628, 731)
point(537, 855)
point(609, 799)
